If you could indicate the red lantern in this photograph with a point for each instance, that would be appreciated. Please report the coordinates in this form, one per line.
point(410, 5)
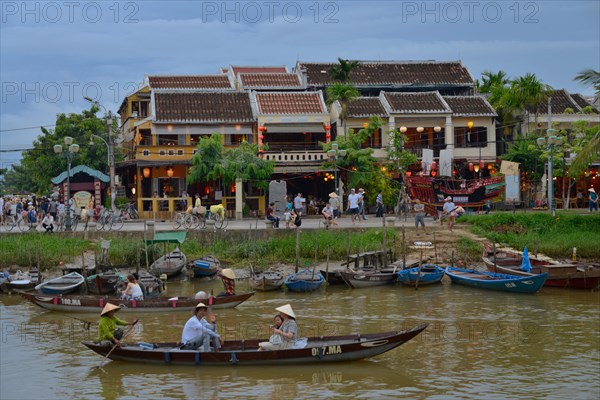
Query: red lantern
point(481, 164)
point(433, 173)
point(261, 128)
point(471, 166)
point(327, 127)
point(408, 173)
point(261, 137)
point(328, 135)
point(455, 172)
point(433, 166)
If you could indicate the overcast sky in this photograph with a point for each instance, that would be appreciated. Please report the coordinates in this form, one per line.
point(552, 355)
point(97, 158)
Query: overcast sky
point(54, 53)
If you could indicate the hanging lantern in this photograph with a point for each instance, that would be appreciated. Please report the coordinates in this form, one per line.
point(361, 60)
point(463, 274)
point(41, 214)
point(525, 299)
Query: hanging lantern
point(146, 172)
point(327, 127)
point(433, 173)
point(455, 172)
point(408, 173)
point(470, 124)
point(490, 167)
point(403, 129)
point(261, 137)
point(170, 172)
point(261, 128)
point(437, 129)
point(420, 129)
point(328, 135)
point(365, 125)
point(471, 166)
point(433, 166)
point(476, 168)
point(481, 164)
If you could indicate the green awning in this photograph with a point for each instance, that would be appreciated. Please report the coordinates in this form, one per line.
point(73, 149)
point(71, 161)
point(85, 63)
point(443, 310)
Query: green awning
point(167, 237)
point(81, 168)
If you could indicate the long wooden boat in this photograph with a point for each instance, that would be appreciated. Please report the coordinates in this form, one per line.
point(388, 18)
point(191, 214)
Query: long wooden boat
point(61, 285)
point(205, 266)
point(574, 276)
point(105, 283)
point(171, 264)
point(151, 285)
point(90, 303)
point(368, 278)
point(428, 274)
point(267, 281)
point(304, 281)
point(322, 349)
point(494, 281)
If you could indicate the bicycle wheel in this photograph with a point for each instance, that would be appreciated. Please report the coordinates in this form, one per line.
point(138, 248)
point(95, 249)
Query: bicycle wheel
point(74, 223)
point(190, 221)
point(177, 221)
point(23, 225)
point(100, 223)
point(218, 221)
point(116, 223)
point(11, 223)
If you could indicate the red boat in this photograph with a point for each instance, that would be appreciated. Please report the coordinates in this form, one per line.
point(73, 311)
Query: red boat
point(466, 193)
point(575, 276)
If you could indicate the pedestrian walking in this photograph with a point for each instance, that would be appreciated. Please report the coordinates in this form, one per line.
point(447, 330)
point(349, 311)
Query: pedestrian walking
point(419, 215)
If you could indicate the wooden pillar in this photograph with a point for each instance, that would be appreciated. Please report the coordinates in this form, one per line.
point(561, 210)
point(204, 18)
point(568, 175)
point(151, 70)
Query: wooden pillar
point(239, 204)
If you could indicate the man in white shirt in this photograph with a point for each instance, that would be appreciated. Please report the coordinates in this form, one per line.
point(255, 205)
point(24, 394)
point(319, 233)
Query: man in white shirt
point(299, 202)
point(353, 199)
point(48, 223)
point(198, 332)
point(328, 215)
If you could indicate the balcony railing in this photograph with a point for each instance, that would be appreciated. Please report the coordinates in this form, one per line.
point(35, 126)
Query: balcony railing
point(296, 157)
point(177, 152)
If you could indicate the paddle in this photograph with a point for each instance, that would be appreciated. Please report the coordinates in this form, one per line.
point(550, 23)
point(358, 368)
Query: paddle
point(129, 330)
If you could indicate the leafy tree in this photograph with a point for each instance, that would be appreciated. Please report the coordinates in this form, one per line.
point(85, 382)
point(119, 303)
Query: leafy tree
point(41, 164)
point(213, 162)
point(400, 160)
point(344, 94)
point(490, 80)
point(526, 152)
point(341, 72)
point(589, 77)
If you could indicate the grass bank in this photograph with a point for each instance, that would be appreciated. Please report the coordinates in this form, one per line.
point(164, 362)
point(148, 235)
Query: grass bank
point(553, 236)
point(33, 249)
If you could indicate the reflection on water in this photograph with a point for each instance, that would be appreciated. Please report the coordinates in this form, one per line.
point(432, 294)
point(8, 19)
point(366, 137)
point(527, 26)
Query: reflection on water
point(545, 345)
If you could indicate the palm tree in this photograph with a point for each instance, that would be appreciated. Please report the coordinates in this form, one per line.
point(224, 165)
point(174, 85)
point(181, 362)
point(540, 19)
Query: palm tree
point(344, 94)
point(589, 77)
point(589, 153)
point(490, 80)
point(530, 92)
point(341, 71)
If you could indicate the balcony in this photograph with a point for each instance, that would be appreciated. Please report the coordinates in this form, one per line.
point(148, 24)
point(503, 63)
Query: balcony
point(296, 157)
point(165, 153)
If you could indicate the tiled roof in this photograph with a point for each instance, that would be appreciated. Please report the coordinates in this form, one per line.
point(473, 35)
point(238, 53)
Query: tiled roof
point(366, 107)
point(561, 100)
point(203, 107)
point(469, 106)
point(416, 102)
point(270, 81)
point(258, 70)
point(582, 102)
point(290, 103)
point(394, 73)
point(193, 82)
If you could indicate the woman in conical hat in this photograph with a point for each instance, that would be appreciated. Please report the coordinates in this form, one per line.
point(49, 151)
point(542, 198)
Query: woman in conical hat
point(108, 333)
point(288, 330)
point(228, 277)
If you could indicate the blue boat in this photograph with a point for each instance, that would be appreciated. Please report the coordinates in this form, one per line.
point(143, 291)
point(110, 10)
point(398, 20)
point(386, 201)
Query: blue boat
point(430, 273)
point(304, 281)
point(61, 285)
point(205, 266)
point(494, 281)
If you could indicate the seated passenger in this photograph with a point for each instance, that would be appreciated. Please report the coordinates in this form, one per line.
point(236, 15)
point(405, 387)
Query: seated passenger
point(228, 277)
point(198, 331)
point(327, 214)
point(288, 330)
point(108, 333)
point(133, 291)
point(275, 338)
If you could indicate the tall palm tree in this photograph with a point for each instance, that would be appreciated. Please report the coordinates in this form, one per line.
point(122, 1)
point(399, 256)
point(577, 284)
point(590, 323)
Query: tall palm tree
point(344, 94)
point(341, 71)
point(490, 80)
point(530, 92)
point(589, 77)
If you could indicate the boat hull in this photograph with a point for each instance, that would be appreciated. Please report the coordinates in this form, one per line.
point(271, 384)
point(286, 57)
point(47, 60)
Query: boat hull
point(429, 275)
point(170, 264)
point(75, 303)
point(245, 353)
point(204, 267)
point(304, 281)
point(494, 281)
point(61, 285)
point(359, 279)
point(266, 282)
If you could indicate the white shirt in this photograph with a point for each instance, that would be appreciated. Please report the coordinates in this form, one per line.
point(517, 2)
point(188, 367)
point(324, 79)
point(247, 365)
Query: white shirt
point(61, 208)
point(48, 220)
point(1, 206)
point(194, 327)
point(298, 201)
point(353, 200)
point(136, 292)
point(328, 211)
point(449, 206)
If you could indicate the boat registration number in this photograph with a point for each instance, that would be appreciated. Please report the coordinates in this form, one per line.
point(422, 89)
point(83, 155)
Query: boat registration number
point(326, 350)
point(70, 302)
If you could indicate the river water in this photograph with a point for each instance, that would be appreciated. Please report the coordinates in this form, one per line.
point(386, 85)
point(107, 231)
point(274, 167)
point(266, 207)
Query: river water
point(479, 344)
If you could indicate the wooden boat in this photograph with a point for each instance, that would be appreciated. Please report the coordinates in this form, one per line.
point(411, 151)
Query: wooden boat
point(171, 264)
point(61, 285)
point(21, 281)
point(333, 277)
point(245, 352)
point(91, 303)
point(105, 283)
point(304, 281)
point(205, 266)
point(368, 277)
point(494, 281)
point(151, 285)
point(574, 276)
point(267, 281)
point(429, 274)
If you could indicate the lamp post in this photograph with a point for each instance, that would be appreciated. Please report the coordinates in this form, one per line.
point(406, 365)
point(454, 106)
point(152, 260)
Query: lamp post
point(334, 154)
point(550, 141)
point(68, 151)
point(111, 151)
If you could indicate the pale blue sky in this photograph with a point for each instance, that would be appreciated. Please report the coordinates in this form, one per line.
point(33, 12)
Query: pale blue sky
point(54, 53)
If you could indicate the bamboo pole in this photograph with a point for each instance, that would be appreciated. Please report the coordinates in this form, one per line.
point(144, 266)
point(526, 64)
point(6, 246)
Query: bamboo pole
point(297, 249)
point(385, 263)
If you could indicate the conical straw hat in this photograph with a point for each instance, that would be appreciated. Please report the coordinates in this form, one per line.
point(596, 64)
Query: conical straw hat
point(228, 273)
point(287, 310)
point(108, 308)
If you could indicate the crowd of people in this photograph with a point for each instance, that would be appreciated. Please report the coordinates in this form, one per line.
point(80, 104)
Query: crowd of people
point(43, 210)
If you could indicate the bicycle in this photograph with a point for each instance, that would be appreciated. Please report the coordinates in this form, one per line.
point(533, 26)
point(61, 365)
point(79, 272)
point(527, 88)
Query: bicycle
point(25, 224)
point(10, 222)
point(184, 219)
point(216, 216)
point(130, 211)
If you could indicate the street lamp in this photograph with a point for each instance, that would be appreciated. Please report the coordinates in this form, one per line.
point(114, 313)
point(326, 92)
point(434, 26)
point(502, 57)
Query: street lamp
point(334, 154)
point(550, 141)
point(69, 150)
point(111, 152)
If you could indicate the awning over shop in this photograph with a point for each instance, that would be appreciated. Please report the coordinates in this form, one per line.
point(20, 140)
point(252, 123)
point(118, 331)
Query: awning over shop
point(167, 237)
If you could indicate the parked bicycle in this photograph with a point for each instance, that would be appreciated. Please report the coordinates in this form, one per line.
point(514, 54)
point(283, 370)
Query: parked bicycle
point(184, 220)
point(129, 211)
point(110, 220)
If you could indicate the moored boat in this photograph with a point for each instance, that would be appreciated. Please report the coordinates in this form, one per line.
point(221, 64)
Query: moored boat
point(105, 283)
point(368, 278)
point(495, 281)
point(21, 281)
point(304, 281)
point(171, 264)
point(245, 352)
point(267, 281)
point(427, 274)
point(91, 303)
point(62, 285)
point(205, 266)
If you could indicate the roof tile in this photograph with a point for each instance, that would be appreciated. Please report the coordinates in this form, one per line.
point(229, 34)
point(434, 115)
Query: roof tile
point(469, 106)
point(207, 82)
point(582, 102)
point(366, 107)
point(290, 103)
point(203, 107)
point(270, 81)
point(416, 102)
